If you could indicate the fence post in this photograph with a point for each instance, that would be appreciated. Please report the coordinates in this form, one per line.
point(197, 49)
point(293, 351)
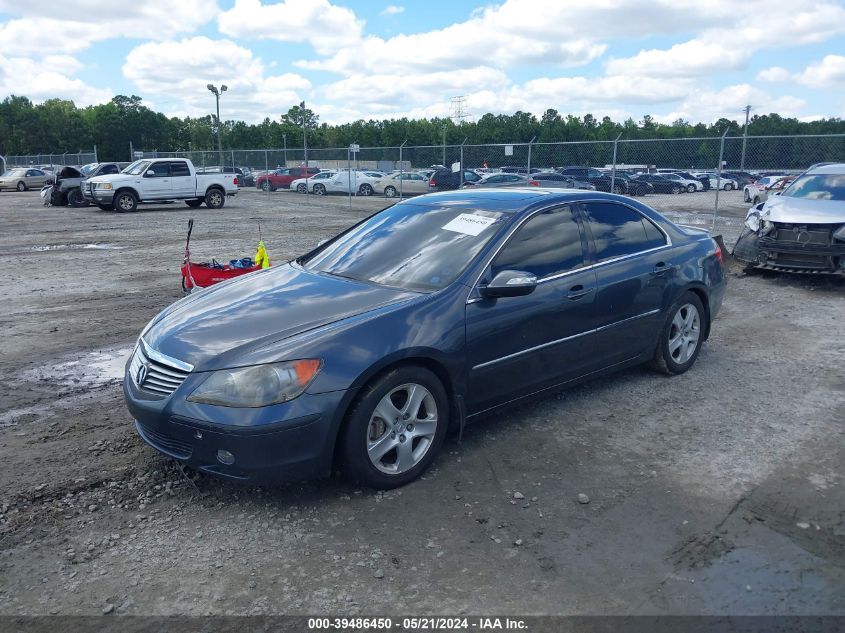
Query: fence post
point(613, 168)
point(462, 161)
point(233, 158)
point(401, 168)
point(348, 174)
point(529, 156)
point(718, 179)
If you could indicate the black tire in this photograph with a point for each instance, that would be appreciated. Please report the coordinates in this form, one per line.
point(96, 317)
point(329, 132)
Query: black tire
point(215, 199)
point(266, 186)
point(618, 189)
point(21, 186)
point(390, 192)
point(365, 190)
point(76, 199)
point(300, 188)
point(691, 188)
point(194, 203)
point(354, 436)
point(319, 189)
point(106, 207)
point(125, 201)
point(728, 187)
point(745, 196)
point(756, 200)
point(676, 189)
point(665, 360)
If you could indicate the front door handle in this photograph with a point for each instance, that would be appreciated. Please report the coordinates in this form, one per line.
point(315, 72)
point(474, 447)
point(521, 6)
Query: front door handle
point(576, 292)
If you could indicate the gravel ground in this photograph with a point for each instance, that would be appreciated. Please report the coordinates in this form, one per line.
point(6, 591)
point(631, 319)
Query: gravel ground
point(719, 491)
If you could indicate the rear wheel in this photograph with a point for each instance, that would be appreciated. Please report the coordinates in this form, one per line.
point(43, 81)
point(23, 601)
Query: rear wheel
point(365, 189)
point(676, 189)
point(194, 203)
point(125, 201)
point(745, 196)
point(214, 199)
point(728, 186)
point(681, 337)
point(690, 188)
point(395, 429)
point(266, 186)
point(390, 192)
point(320, 190)
point(21, 186)
point(76, 199)
point(300, 188)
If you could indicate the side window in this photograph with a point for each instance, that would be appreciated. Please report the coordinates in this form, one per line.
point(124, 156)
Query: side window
point(179, 168)
point(619, 230)
point(547, 244)
point(109, 169)
point(158, 170)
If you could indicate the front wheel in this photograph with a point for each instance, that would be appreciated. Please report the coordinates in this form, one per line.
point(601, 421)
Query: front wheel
point(690, 188)
point(320, 190)
point(390, 192)
point(676, 189)
point(194, 203)
point(681, 337)
point(728, 187)
point(300, 188)
point(745, 196)
point(365, 190)
point(125, 201)
point(395, 429)
point(215, 199)
point(76, 199)
point(21, 186)
point(266, 186)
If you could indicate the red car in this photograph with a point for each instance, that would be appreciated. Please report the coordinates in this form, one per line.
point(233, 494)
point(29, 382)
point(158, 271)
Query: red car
point(283, 177)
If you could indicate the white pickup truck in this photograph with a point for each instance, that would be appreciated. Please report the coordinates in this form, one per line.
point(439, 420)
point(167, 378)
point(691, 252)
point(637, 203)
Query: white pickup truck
point(157, 180)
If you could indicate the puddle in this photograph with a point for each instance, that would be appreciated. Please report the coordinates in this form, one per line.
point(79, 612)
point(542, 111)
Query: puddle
point(64, 247)
point(91, 369)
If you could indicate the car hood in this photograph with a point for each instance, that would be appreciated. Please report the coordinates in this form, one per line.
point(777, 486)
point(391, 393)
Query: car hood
point(218, 327)
point(803, 210)
point(115, 178)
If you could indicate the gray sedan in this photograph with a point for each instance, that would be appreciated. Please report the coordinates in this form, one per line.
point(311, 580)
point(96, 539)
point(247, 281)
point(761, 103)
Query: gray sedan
point(21, 178)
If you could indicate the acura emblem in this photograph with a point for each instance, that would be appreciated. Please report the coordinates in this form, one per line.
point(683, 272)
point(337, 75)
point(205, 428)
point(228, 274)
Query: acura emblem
point(141, 375)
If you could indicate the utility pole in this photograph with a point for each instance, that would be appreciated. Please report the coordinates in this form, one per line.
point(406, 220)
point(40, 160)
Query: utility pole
point(444, 145)
point(285, 139)
point(305, 141)
point(744, 138)
point(217, 94)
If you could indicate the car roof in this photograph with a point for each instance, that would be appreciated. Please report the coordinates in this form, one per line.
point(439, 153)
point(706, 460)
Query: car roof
point(833, 168)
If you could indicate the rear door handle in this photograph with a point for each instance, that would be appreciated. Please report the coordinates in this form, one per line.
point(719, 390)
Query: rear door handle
point(576, 292)
point(660, 268)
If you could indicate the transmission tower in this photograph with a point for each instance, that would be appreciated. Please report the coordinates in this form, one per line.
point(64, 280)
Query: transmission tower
point(459, 109)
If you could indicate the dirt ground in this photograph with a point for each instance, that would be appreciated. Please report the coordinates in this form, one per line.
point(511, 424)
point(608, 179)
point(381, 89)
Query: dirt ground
point(721, 491)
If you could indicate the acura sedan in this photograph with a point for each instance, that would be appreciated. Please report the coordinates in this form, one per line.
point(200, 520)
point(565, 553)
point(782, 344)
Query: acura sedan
point(364, 352)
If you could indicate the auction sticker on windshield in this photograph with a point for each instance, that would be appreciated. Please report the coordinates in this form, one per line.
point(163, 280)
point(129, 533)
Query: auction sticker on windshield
point(469, 224)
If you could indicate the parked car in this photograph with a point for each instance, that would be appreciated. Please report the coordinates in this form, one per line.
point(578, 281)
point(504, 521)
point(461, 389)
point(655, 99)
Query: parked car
point(800, 230)
point(281, 178)
point(741, 177)
point(599, 180)
point(503, 180)
point(714, 180)
point(70, 181)
point(345, 181)
point(404, 183)
point(247, 178)
point(299, 184)
point(446, 179)
point(554, 180)
point(689, 185)
point(660, 184)
point(160, 179)
point(365, 351)
point(23, 178)
point(758, 191)
point(632, 187)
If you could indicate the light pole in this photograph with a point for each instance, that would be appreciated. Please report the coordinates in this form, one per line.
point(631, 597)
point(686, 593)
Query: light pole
point(305, 141)
point(285, 139)
point(217, 93)
point(744, 137)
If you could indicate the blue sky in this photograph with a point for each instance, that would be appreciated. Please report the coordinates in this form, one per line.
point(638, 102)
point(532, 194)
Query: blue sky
point(350, 60)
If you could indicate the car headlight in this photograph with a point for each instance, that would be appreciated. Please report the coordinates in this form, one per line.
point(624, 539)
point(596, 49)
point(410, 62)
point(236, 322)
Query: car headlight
point(258, 385)
point(839, 234)
point(752, 221)
point(102, 185)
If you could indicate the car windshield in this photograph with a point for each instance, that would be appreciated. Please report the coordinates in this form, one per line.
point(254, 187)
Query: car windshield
point(87, 169)
point(818, 187)
point(409, 246)
point(14, 172)
point(136, 168)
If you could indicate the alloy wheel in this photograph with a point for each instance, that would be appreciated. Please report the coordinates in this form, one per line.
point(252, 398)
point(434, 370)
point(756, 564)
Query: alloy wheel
point(684, 333)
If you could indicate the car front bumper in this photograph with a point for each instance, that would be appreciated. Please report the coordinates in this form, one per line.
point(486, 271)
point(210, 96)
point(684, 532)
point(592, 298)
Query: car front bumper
point(283, 442)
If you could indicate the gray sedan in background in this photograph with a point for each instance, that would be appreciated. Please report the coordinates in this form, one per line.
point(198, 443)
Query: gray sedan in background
point(22, 178)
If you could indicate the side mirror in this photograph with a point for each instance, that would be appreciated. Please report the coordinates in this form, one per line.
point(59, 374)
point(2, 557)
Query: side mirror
point(509, 283)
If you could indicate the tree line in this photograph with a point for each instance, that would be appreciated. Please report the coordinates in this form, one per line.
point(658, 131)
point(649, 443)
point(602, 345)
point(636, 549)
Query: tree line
point(58, 125)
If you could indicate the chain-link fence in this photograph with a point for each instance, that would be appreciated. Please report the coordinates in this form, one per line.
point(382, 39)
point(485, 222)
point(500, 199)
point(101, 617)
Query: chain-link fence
point(77, 158)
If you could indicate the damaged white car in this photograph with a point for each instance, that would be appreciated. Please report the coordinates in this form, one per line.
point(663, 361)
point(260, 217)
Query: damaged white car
point(801, 230)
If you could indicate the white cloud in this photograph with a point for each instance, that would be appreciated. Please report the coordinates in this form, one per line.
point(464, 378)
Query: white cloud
point(829, 72)
point(176, 73)
point(710, 105)
point(775, 73)
point(71, 26)
point(39, 81)
point(392, 9)
point(325, 26)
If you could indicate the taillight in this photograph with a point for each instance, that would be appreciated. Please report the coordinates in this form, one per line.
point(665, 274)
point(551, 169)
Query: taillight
point(432, 183)
point(720, 256)
point(533, 183)
point(235, 181)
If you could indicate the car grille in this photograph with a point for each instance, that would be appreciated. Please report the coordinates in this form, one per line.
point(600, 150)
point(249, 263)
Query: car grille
point(166, 443)
point(154, 372)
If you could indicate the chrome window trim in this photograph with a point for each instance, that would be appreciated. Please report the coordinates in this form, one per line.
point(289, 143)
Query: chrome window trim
point(164, 358)
point(668, 244)
point(563, 340)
